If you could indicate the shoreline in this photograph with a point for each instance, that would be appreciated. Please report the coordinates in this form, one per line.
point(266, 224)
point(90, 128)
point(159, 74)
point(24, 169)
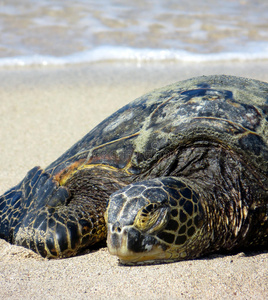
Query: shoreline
point(46, 110)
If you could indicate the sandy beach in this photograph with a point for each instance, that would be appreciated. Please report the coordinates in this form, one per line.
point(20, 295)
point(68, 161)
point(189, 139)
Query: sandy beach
point(46, 110)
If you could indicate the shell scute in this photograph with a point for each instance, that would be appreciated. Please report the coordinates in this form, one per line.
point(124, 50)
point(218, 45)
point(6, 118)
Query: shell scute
point(226, 109)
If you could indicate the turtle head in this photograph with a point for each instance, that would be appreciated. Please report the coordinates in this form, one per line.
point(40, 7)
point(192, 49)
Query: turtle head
point(158, 220)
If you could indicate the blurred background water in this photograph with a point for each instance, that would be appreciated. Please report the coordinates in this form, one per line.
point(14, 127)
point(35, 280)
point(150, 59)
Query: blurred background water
point(43, 32)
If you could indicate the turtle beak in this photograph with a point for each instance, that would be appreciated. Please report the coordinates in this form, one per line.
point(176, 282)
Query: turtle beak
point(131, 246)
point(116, 239)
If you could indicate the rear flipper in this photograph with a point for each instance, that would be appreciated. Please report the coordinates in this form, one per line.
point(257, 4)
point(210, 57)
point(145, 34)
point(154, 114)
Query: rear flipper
point(36, 214)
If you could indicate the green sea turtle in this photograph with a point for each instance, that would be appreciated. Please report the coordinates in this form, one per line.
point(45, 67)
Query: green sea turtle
point(183, 172)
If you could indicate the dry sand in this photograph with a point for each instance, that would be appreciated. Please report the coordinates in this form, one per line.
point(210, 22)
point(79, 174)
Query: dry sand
point(43, 112)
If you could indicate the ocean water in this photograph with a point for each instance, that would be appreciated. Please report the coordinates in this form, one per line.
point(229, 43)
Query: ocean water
point(43, 32)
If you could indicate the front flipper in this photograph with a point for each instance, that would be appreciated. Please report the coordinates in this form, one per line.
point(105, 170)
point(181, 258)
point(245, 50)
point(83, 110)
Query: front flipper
point(38, 214)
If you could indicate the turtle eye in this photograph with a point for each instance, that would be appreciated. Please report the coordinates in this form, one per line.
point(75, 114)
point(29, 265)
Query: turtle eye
point(152, 218)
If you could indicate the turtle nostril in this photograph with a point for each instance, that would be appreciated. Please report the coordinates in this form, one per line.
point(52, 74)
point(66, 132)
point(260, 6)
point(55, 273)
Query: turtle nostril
point(116, 227)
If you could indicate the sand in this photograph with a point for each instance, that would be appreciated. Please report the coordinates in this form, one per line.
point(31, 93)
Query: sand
point(46, 110)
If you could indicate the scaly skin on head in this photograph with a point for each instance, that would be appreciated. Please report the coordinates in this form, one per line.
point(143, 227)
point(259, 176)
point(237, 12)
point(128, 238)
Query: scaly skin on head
point(160, 220)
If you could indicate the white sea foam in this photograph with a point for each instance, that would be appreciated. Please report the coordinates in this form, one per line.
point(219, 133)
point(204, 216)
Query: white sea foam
point(72, 32)
point(126, 54)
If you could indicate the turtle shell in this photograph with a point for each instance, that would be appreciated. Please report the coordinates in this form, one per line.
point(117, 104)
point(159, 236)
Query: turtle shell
point(228, 110)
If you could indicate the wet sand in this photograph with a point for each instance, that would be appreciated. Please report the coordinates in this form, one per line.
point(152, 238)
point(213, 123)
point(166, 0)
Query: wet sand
point(43, 112)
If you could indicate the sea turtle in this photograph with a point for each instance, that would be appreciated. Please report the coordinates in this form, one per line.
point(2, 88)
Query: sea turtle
point(187, 169)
